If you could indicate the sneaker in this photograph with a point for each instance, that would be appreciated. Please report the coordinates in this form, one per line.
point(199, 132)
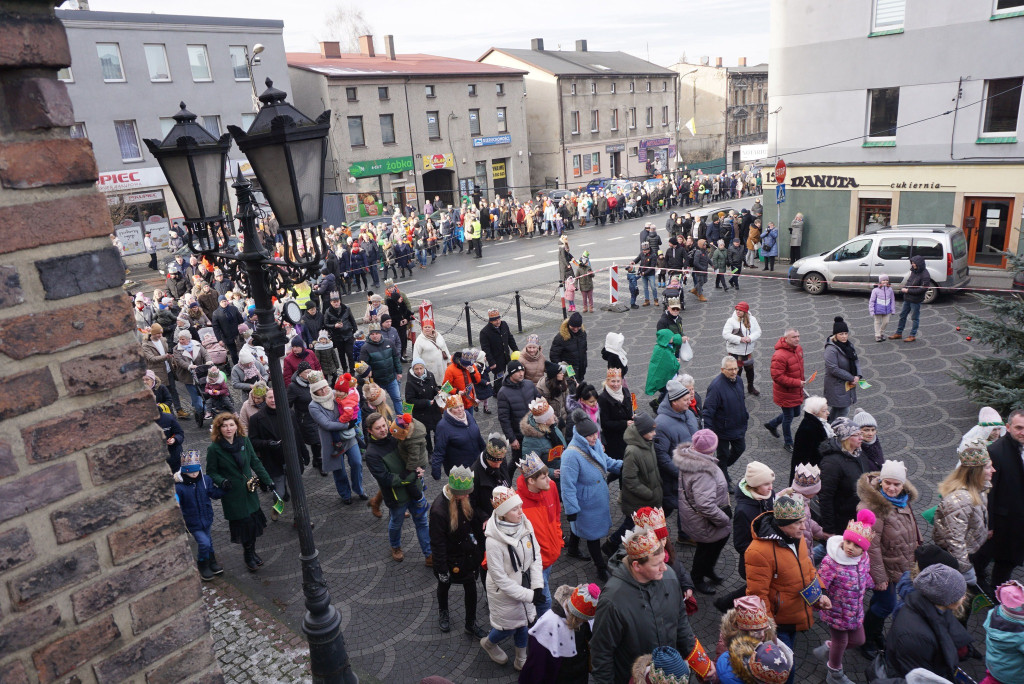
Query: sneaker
point(444, 621)
point(788, 447)
point(879, 339)
point(772, 429)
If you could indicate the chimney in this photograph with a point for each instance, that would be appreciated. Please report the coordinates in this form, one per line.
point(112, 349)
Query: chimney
point(743, 61)
point(537, 44)
point(581, 46)
point(366, 46)
point(718, 61)
point(389, 47)
point(330, 49)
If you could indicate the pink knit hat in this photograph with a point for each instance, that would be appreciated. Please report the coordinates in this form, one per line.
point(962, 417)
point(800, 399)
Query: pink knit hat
point(1011, 598)
point(859, 531)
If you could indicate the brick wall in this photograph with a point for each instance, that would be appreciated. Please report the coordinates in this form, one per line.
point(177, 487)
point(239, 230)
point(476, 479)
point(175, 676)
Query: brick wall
point(97, 582)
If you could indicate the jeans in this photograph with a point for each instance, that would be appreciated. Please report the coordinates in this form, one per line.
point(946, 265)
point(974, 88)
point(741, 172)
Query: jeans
point(205, 543)
point(650, 280)
point(197, 401)
point(421, 256)
point(786, 420)
point(729, 451)
point(837, 412)
point(394, 391)
point(520, 636)
point(883, 602)
point(788, 633)
point(341, 478)
point(913, 309)
point(544, 607)
point(418, 510)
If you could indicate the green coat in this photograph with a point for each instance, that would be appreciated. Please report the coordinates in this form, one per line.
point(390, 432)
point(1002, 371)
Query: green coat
point(664, 362)
point(238, 502)
point(718, 259)
point(397, 484)
point(641, 479)
point(585, 283)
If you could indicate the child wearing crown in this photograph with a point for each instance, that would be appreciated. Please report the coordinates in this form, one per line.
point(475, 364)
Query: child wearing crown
point(194, 490)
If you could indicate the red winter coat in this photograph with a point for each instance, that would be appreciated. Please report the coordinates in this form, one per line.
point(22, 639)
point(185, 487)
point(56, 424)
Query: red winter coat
point(545, 514)
point(787, 374)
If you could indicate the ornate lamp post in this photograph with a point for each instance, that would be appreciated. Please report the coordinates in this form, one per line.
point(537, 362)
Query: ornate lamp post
point(287, 151)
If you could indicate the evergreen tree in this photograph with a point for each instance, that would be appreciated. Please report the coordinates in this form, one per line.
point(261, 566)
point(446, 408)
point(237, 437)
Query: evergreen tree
point(996, 378)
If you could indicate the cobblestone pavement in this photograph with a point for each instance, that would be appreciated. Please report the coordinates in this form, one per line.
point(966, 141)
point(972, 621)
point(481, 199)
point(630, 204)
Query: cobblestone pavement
point(389, 609)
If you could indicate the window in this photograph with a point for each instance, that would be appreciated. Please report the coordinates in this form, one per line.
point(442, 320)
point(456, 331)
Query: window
point(1004, 5)
point(433, 126)
point(593, 87)
point(247, 120)
point(928, 248)
point(894, 249)
point(633, 151)
point(595, 162)
point(472, 89)
point(431, 92)
point(239, 62)
point(382, 93)
point(615, 119)
point(474, 122)
point(572, 88)
point(664, 86)
point(883, 106)
point(595, 121)
point(650, 117)
point(502, 122)
point(1002, 106)
point(352, 94)
point(355, 131)
point(110, 62)
point(613, 87)
point(577, 169)
point(888, 15)
point(65, 75)
point(664, 115)
point(499, 88)
point(199, 61)
point(166, 124)
point(156, 60)
point(858, 249)
point(77, 130)
point(632, 118)
point(387, 129)
point(585, 159)
point(648, 86)
point(873, 213)
point(574, 121)
point(128, 140)
point(632, 86)
point(211, 123)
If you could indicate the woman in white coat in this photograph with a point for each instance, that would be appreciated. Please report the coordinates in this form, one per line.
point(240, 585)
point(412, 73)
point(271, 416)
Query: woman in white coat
point(512, 552)
point(430, 346)
point(741, 333)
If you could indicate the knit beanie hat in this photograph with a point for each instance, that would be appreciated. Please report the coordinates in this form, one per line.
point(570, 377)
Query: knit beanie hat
point(706, 442)
point(514, 367)
point(668, 667)
point(532, 339)
point(362, 369)
point(758, 474)
point(586, 427)
point(894, 470)
point(245, 357)
point(643, 423)
point(751, 615)
point(807, 480)
point(862, 418)
point(941, 585)
point(151, 376)
point(844, 428)
point(1011, 597)
point(402, 426)
point(551, 369)
point(928, 555)
point(303, 367)
point(859, 531)
point(839, 326)
point(582, 602)
point(297, 342)
point(343, 383)
point(789, 507)
point(504, 499)
point(676, 390)
point(373, 394)
point(575, 320)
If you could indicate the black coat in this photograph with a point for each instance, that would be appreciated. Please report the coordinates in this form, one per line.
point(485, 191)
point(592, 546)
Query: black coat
point(343, 315)
point(513, 403)
point(266, 440)
point(614, 415)
point(571, 348)
point(809, 436)
point(839, 474)
point(311, 325)
point(459, 551)
point(1005, 503)
point(172, 428)
point(420, 392)
point(485, 479)
point(299, 398)
point(923, 636)
point(226, 320)
point(498, 344)
point(746, 510)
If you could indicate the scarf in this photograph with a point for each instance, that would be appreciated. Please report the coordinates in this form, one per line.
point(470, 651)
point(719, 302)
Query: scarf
point(235, 449)
point(327, 402)
point(897, 501)
point(591, 411)
point(464, 420)
point(751, 493)
point(829, 432)
point(508, 528)
point(834, 546)
point(617, 396)
point(250, 370)
point(525, 354)
point(849, 352)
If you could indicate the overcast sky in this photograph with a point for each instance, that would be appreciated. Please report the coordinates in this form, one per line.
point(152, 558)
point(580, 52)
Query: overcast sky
point(661, 32)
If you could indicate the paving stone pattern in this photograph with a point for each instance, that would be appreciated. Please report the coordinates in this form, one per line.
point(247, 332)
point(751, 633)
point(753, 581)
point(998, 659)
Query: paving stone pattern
point(389, 609)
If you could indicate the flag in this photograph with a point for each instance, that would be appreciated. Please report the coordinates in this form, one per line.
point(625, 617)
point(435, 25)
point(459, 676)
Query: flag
point(406, 407)
point(278, 505)
point(632, 397)
point(811, 379)
point(980, 603)
point(447, 388)
point(691, 126)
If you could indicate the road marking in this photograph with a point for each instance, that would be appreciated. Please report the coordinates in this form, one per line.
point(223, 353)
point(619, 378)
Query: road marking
point(447, 273)
point(496, 263)
point(586, 244)
point(552, 251)
point(528, 256)
point(474, 281)
point(616, 238)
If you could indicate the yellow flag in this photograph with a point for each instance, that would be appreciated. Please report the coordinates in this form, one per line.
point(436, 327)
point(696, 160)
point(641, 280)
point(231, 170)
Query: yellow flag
point(691, 126)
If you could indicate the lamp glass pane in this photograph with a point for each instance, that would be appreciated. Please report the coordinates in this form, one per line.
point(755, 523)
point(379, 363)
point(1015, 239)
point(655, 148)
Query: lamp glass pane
point(272, 170)
point(307, 158)
point(209, 172)
point(180, 179)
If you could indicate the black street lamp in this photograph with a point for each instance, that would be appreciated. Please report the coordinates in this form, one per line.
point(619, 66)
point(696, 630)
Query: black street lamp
point(287, 151)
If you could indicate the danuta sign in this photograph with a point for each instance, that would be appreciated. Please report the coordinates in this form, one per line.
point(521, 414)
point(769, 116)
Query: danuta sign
point(817, 181)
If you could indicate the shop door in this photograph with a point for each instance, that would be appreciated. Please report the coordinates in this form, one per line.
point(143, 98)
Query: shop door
point(987, 224)
point(439, 183)
point(614, 165)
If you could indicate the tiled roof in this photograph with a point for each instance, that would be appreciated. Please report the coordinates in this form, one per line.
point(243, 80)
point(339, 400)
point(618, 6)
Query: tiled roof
point(355, 65)
point(574, 63)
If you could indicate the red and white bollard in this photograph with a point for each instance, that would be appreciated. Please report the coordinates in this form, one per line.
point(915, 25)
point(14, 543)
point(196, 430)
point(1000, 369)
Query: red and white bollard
point(613, 285)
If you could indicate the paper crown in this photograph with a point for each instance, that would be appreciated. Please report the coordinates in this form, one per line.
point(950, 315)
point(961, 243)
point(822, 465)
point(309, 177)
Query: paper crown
point(614, 374)
point(789, 507)
point(974, 453)
point(652, 519)
point(583, 601)
point(807, 475)
point(673, 303)
point(771, 663)
point(859, 531)
point(539, 406)
point(460, 479)
point(190, 462)
point(504, 499)
point(640, 542)
point(751, 614)
point(497, 445)
point(531, 465)
point(453, 401)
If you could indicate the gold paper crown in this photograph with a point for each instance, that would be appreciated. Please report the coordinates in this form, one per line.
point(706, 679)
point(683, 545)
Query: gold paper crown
point(501, 495)
point(974, 453)
point(807, 475)
point(531, 465)
point(650, 518)
point(539, 406)
point(640, 543)
point(460, 479)
point(453, 401)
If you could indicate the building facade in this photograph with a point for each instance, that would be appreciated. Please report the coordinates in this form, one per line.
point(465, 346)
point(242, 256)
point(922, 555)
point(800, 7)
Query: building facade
point(594, 114)
point(409, 127)
point(128, 74)
point(878, 124)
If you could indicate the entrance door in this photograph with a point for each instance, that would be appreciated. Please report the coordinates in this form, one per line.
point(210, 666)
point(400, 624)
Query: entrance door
point(439, 183)
point(614, 165)
point(987, 224)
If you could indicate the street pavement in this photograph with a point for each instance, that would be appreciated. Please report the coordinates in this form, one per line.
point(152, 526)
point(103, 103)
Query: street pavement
point(389, 609)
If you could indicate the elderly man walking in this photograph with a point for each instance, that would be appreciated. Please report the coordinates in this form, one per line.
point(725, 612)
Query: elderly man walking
point(725, 413)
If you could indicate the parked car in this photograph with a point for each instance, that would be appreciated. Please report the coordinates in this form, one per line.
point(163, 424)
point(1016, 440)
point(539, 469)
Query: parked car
point(857, 263)
point(597, 184)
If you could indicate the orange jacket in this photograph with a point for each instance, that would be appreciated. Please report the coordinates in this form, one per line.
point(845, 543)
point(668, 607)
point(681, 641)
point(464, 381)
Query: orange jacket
point(462, 379)
point(777, 574)
point(545, 514)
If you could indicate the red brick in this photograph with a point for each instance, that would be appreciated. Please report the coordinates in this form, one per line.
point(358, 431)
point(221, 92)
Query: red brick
point(147, 650)
point(25, 392)
point(56, 437)
point(38, 489)
point(36, 102)
point(73, 326)
point(75, 649)
point(41, 163)
point(115, 504)
point(154, 608)
point(184, 665)
point(103, 370)
point(114, 461)
point(20, 631)
point(8, 464)
point(13, 673)
point(33, 41)
point(75, 218)
point(11, 293)
point(15, 548)
point(57, 575)
point(146, 535)
point(117, 587)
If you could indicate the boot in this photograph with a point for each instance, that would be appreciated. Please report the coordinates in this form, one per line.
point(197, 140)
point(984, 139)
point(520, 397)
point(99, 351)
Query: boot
point(493, 651)
point(444, 621)
point(256, 556)
point(429, 561)
point(701, 298)
point(204, 570)
point(397, 555)
point(475, 630)
point(520, 660)
point(751, 390)
point(250, 562)
point(821, 652)
point(214, 565)
point(375, 503)
point(182, 413)
point(574, 548)
point(837, 677)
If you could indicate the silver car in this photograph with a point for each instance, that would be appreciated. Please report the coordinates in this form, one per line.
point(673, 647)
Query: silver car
point(857, 263)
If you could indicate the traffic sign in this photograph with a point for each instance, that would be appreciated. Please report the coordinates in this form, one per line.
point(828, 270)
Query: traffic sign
point(780, 172)
point(780, 193)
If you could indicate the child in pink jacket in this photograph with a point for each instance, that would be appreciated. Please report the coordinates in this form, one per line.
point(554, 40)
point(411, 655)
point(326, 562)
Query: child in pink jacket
point(570, 293)
point(881, 305)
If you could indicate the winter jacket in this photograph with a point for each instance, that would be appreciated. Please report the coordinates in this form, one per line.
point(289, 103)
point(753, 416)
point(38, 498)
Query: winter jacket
point(540, 440)
point(787, 370)
point(704, 510)
point(238, 380)
point(725, 408)
point(292, 361)
point(181, 360)
point(614, 417)
point(810, 435)
point(734, 257)
point(839, 370)
point(770, 243)
point(343, 315)
point(1004, 645)
point(872, 452)
point(497, 345)
point(328, 420)
point(918, 281)
point(154, 360)
point(961, 526)
point(777, 572)
point(922, 635)
point(641, 483)
point(840, 472)
point(512, 561)
point(311, 325)
point(171, 428)
point(383, 359)
point(327, 355)
point(458, 552)
point(413, 449)
point(570, 347)
point(734, 329)
point(434, 353)
point(534, 366)
point(664, 363)
point(485, 479)
point(1005, 504)
point(896, 533)
point(747, 509)
point(513, 403)
point(544, 510)
point(648, 262)
point(555, 392)
point(719, 259)
point(845, 585)
point(673, 429)
point(585, 488)
point(194, 495)
point(632, 619)
point(463, 379)
point(266, 441)
point(672, 323)
point(238, 502)
point(421, 392)
point(300, 398)
point(397, 485)
point(455, 444)
point(882, 301)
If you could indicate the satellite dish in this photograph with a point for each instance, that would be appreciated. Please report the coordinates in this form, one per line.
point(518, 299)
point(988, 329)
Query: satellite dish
point(705, 60)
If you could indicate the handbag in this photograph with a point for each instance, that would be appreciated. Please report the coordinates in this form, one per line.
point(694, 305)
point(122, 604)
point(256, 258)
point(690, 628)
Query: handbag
point(252, 483)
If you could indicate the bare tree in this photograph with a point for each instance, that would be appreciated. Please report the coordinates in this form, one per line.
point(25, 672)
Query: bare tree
point(345, 23)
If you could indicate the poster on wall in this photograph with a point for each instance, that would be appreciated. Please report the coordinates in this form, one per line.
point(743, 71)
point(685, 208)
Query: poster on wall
point(129, 233)
point(159, 232)
point(351, 206)
point(369, 205)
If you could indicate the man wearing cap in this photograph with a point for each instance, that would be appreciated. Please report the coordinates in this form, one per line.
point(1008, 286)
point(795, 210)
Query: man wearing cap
point(385, 363)
point(570, 345)
point(675, 425)
point(497, 344)
point(725, 412)
point(787, 371)
point(297, 354)
point(514, 399)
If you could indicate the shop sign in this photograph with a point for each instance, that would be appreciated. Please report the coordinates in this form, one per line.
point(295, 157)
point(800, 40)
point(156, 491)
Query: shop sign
point(136, 198)
point(654, 142)
point(378, 167)
point(753, 152)
point(492, 140)
point(819, 181)
point(134, 179)
point(438, 161)
point(915, 186)
point(618, 147)
point(498, 170)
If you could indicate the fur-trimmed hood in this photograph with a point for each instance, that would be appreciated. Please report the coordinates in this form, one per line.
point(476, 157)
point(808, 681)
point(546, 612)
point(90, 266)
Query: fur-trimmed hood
point(871, 496)
point(564, 331)
point(740, 651)
point(690, 461)
point(531, 428)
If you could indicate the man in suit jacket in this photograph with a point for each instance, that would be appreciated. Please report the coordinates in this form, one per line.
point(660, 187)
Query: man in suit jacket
point(1005, 505)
